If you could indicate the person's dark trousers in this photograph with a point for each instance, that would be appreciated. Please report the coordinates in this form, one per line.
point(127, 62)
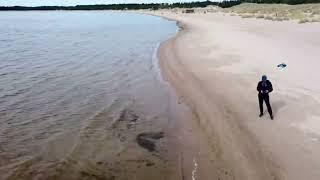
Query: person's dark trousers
point(265, 98)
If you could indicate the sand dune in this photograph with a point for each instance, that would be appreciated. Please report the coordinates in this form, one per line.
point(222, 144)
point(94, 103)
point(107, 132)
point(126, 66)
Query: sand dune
point(301, 13)
point(215, 62)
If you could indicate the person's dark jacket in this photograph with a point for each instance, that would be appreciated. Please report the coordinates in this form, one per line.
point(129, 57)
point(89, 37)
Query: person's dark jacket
point(264, 89)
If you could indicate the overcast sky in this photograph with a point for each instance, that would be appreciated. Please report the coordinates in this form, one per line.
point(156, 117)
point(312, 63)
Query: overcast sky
point(76, 2)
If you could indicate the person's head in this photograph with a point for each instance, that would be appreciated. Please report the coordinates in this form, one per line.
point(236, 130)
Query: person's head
point(264, 78)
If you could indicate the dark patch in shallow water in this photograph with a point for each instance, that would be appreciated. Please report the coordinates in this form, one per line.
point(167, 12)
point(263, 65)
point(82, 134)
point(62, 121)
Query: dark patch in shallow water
point(148, 140)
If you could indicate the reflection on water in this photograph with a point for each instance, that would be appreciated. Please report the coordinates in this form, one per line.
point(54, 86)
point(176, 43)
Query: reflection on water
point(61, 71)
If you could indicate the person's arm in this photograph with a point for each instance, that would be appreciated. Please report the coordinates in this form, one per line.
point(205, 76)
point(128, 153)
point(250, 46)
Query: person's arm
point(259, 87)
point(270, 89)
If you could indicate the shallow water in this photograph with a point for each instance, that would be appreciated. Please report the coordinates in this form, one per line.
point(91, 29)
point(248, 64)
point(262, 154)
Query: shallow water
point(61, 71)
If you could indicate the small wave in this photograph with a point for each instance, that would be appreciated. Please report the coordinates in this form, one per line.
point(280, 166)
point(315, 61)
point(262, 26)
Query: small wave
point(15, 93)
point(195, 168)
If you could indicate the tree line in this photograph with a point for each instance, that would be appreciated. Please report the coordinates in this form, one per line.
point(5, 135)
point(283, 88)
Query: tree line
point(154, 6)
point(132, 6)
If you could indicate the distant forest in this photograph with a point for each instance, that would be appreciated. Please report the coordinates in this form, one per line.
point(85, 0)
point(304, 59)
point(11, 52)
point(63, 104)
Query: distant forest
point(134, 6)
point(154, 6)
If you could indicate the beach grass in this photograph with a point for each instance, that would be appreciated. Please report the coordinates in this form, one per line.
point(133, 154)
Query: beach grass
point(277, 12)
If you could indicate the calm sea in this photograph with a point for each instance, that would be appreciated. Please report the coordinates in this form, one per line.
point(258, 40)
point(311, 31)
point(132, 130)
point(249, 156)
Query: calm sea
point(59, 70)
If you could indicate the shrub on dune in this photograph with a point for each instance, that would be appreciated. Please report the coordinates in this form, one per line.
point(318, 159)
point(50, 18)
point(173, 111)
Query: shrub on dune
point(260, 16)
point(301, 21)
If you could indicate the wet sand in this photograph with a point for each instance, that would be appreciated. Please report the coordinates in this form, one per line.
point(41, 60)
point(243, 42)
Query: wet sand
point(214, 64)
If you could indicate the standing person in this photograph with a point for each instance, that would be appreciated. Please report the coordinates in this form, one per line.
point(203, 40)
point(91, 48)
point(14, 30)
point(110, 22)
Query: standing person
point(264, 88)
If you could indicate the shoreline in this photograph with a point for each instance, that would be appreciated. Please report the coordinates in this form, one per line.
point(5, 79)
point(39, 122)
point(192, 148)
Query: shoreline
point(188, 147)
point(240, 149)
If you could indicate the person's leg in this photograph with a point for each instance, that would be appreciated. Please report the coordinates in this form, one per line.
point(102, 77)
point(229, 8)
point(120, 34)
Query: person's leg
point(266, 99)
point(260, 104)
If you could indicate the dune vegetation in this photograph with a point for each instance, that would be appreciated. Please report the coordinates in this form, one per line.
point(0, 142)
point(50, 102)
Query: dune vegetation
point(301, 13)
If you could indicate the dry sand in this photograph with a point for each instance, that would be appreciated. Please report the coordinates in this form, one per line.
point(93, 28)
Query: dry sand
point(215, 62)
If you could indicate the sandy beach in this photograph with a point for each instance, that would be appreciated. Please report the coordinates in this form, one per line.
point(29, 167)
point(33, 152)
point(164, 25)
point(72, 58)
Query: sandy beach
point(214, 64)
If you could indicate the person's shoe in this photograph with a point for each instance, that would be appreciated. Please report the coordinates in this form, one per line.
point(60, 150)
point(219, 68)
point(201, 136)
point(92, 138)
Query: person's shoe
point(271, 116)
point(261, 114)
